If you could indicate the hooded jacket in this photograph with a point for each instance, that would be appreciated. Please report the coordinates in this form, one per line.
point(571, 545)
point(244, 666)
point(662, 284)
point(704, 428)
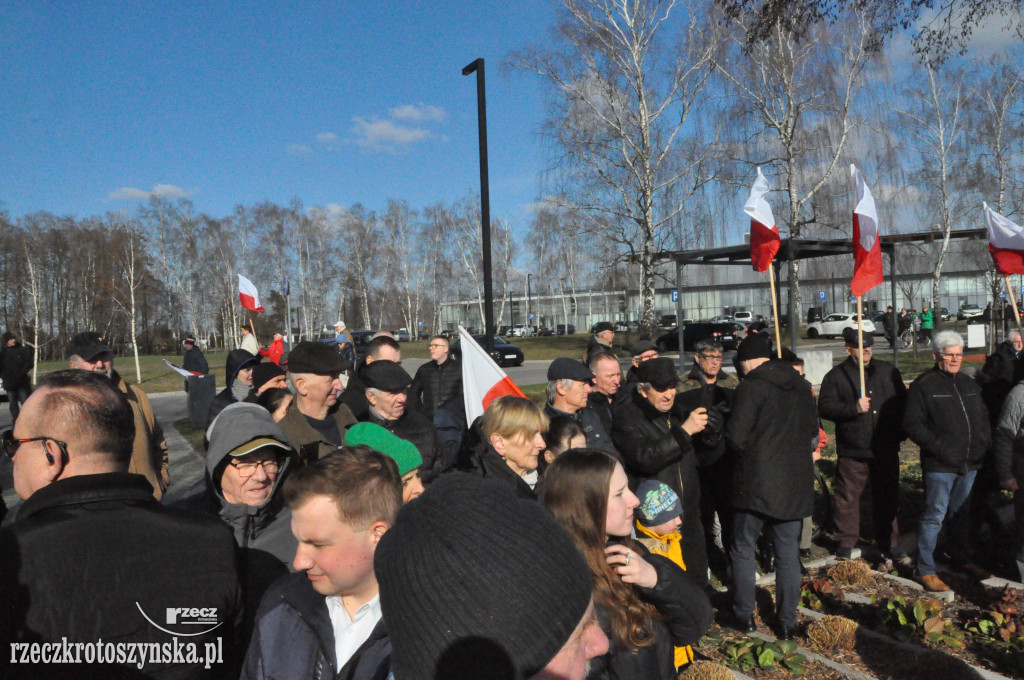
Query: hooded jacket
point(774, 429)
point(263, 533)
point(236, 361)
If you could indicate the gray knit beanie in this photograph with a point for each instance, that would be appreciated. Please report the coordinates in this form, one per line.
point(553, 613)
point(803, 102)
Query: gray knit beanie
point(477, 583)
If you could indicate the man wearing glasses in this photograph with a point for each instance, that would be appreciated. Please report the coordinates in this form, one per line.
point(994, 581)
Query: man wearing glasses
point(315, 422)
point(709, 386)
point(438, 381)
point(89, 352)
point(246, 465)
point(947, 418)
point(91, 550)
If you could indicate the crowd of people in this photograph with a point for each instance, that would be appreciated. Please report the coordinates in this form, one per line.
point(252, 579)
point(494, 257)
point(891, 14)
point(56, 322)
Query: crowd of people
point(353, 524)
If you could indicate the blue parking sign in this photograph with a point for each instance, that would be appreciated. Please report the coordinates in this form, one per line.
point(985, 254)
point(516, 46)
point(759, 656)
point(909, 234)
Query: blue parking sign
point(821, 295)
point(675, 296)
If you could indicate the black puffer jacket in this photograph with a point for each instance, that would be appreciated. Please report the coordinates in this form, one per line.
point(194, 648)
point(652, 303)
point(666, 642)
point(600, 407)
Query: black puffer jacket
point(435, 385)
point(877, 433)
point(686, 616)
point(1002, 370)
point(774, 430)
point(947, 418)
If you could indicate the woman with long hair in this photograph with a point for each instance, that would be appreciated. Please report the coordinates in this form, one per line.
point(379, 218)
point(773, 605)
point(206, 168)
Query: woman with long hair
point(563, 434)
point(645, 603)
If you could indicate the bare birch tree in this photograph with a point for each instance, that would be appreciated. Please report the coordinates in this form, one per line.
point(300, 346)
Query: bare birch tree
point(622, 103)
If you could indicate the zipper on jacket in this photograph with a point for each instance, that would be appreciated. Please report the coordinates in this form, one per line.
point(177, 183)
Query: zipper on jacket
point(967, 449)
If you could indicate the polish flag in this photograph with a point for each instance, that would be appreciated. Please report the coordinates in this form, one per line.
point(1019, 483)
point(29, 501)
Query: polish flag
point(250, 298)
point(867, 242)
point(483, 381)
point(764, 235)
point(1005, 242)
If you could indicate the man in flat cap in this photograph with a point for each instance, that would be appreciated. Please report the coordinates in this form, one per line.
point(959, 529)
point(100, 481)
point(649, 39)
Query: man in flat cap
point(385, 384)
point(89, 352)
point(570, 383)
point(315, 422)
point(604, 336)
point(869, 430)
point(641, 351)
point(774, 431)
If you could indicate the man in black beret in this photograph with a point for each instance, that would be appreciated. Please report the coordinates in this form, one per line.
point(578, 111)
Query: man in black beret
point(569, 384)
point(774, 430)
point(385, 383)
point(869, 430)
point(315, 422)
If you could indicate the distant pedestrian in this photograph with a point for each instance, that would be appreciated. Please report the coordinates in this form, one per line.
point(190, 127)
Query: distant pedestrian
point(16, 362)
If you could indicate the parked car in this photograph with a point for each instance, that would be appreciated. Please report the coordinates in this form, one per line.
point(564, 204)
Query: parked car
point(969, 311)
point(667, 321)
point(943, 313)
point(560, 329)
point(726, 333)
point(743, 317)
point(834, 324)
point(721, 318)
point(504, 354)
point(402, 335)
point(544, 331)
point(522, 331)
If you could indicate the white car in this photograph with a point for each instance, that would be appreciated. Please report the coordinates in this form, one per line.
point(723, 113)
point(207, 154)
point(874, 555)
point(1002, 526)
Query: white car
point(721, 318)
point(834, 324)
point(521, 331)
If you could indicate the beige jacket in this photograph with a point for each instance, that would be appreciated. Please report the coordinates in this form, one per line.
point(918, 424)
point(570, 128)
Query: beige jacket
point(149, 454)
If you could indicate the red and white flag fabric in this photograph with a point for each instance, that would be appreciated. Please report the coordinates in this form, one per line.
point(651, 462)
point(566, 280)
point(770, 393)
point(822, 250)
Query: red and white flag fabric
point(250, 297)
point(180, 371)
point(764, 235)
point(867, 242)
point(483, 381)
point(1005, 242)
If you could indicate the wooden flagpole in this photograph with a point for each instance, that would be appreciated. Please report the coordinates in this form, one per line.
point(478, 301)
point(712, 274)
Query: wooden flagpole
point(1013, 301)
point(775, 311)
point(252, 328)
point(860, 347)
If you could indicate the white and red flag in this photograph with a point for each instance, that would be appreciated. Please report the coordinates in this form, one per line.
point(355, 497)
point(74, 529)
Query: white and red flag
point(1005, 242)
point(764, 235)
point(867, 242)
point(483, 381)
point(249, 296)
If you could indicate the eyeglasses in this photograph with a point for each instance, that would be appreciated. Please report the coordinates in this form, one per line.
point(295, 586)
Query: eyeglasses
point(950, 355)
point(11, 443)
point(247, 470)
point(711, 357)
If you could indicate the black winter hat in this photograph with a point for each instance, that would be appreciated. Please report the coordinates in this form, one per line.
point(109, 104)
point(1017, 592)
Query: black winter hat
point(317, 358)
point(385, 375)
point(9, 336)
point(88, 346)
point(850, 338)
point(756, 346)
point(263, 373)
point(660, 372)
point(603, 326)
point(473, 578)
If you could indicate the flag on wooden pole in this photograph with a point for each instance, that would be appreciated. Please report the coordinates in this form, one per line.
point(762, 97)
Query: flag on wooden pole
point(483, 381)
point(867, 244)
point(249, 296)
point(1005, 242)
point(764, 235)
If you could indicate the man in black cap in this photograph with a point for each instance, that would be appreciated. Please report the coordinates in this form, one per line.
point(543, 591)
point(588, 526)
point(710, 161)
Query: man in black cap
point(194, 360)
point(315, 422)
point(16, 362)
point(569, 384)
point(509, 596)
point(385, 384)
point(89, 352)
point(604, 336)
point(265, 377)
point(641, 351)
point(774, 431)
point(869, 430)
point(655, 444)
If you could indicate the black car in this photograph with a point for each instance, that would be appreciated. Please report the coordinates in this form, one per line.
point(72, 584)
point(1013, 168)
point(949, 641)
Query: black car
point(560, 329)
point(726, 333)
point(504, 354)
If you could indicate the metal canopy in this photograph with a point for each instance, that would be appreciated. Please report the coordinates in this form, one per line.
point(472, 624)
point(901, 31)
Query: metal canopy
point(790, 250)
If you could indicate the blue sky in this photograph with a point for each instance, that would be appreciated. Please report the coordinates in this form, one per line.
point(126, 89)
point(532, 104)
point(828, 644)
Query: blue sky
point(227, 103)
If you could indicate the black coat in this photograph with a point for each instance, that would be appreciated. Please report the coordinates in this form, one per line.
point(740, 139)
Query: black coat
point(773, 430)
point(947, 418)
point(487, 463)
point(605, 409)
point(1002, 370)
point(88, 552)
point(686, 616)
point(15, 365)
point(420, 431)
point(195, 361)
point(878, 433)
point(593, 429)
point(435, 385)
point(237, 359)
